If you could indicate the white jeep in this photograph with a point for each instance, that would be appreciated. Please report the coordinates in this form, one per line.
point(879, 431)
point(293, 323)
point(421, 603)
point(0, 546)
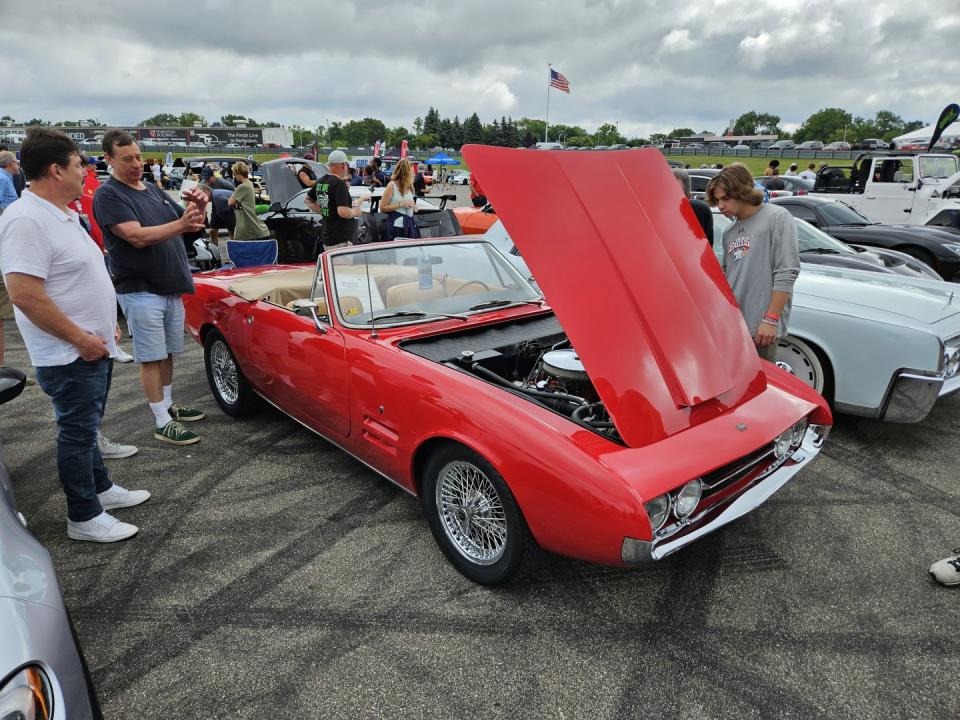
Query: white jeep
point(894, 188)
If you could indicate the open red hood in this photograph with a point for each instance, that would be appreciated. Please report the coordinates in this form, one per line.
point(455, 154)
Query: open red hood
point(621, 258)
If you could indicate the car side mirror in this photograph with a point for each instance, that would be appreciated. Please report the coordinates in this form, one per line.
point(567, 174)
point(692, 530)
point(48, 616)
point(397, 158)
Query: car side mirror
point(276, 207)
point(309, 305)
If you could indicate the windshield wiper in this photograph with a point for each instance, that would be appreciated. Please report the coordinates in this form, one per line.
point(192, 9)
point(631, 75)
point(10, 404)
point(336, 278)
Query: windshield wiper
point(501, 303)
point(821, 251)
point(416, 313)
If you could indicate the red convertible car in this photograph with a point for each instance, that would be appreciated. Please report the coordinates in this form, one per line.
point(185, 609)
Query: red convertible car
point(618, 424)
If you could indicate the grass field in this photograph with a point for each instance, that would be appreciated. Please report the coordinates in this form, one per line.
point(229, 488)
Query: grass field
point(756, 165)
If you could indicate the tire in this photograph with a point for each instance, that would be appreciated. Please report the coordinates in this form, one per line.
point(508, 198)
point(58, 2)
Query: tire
point(924, 256)
point(491, 552)
point(229, 387)
point(802, 361)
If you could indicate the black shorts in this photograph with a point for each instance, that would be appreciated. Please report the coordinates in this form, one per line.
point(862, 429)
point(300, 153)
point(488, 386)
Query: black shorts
point(223, 222)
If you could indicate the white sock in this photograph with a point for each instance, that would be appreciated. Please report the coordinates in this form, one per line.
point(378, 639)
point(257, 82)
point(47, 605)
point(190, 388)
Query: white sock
point(168, 394)
point(160, 413)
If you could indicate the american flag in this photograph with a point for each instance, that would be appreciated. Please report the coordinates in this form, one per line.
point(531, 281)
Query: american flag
point(558, 81)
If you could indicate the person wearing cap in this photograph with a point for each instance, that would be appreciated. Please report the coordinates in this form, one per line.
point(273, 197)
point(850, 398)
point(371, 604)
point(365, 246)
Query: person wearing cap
point(792, 170)
point(330, 197)
point(221, 213)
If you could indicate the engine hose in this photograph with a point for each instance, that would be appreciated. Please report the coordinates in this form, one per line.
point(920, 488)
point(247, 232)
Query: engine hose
point(492, 376)
point(578, 416)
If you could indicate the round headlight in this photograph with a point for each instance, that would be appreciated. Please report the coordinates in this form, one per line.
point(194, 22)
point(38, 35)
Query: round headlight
point(782, 445)
point(687, 499)
point(951, 361)
point(798, 431)
point(658, 510)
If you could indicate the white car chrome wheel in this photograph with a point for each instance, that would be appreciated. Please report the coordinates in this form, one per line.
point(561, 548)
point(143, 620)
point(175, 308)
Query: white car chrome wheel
point(801, 361)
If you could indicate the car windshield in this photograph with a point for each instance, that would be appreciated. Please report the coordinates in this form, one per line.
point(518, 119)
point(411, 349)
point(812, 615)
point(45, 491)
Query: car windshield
point(809, 239)
point(424, 283)
point(836, 213)
point(938, 168)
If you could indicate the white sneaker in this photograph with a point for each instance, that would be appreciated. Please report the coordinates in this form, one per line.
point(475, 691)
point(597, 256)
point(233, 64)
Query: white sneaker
point(118, 497)
point(947, 571)
point(110, 450)
point(122, 355)
point(104, 528)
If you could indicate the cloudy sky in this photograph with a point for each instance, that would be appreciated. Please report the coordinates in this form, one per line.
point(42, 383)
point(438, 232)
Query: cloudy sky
point(650, 65)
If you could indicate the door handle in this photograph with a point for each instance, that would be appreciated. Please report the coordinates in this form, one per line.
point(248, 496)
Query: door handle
point(870, 197)
point(906, 210)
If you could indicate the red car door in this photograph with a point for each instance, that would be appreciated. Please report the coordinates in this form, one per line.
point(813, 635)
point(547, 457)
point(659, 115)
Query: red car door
point(299, 368)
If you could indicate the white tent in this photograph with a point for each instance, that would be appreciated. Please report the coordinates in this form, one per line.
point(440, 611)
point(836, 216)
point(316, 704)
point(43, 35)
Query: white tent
point(951, 133)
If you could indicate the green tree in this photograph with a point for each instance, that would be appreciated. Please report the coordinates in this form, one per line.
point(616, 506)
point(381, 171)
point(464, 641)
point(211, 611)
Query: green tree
point(230, 120)
point(607, 134)
point(680, 132)
point(827, 125)
point(363, 132)
point(658, 138)
point(335, 133)
point(38, 121)
point(418, 125)
point(426, 141)
point(757, 123)
point(580, 140)
point(431, 122)
point(472, 129)
point(159, 120)
point(187, 119)
point(7, 120)
point(397, 135)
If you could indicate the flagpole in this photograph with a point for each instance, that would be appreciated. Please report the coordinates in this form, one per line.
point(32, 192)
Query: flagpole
point(546, 127)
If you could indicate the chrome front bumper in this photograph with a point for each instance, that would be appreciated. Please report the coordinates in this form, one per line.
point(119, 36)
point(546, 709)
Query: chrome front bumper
point(638, 552)
point(913, 395)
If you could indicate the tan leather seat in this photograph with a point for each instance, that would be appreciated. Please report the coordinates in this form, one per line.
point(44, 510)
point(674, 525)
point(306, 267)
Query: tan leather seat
point(350, 306)
point(412, 293)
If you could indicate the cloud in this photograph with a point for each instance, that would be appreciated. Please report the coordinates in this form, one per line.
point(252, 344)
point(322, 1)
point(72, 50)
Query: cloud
point(649, 64)
point(677, 41)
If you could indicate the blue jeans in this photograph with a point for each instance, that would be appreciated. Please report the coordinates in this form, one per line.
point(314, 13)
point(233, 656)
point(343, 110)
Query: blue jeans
point(79, 394)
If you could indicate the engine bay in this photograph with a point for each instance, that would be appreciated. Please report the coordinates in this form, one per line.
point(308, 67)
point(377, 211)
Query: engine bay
point(532, 358)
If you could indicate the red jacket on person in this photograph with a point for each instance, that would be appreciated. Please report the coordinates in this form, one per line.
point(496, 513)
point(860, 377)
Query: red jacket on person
point(84, 205)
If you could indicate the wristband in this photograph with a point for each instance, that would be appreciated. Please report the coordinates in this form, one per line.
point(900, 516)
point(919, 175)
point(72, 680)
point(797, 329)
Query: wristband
point(772, 316)
point(768, 321)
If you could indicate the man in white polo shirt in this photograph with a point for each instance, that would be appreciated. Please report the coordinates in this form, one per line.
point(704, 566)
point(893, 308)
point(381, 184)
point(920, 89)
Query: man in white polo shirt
point(66, 311)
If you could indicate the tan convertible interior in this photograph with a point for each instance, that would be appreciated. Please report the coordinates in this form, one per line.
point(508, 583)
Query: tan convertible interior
point(398, 285)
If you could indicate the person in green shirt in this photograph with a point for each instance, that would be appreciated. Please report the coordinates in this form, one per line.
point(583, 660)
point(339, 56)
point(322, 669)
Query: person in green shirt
point(243, 201)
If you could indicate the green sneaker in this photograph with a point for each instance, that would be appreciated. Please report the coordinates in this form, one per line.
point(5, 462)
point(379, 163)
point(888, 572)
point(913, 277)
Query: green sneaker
point(176, 434)
point(182, 413)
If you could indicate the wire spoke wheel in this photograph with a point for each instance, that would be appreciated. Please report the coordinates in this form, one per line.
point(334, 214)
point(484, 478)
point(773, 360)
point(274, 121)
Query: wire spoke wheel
point(471, 512)
point(224, 370)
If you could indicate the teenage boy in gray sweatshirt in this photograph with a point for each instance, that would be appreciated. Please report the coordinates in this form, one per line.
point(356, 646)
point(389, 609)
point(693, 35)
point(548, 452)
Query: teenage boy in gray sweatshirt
point(760, 256)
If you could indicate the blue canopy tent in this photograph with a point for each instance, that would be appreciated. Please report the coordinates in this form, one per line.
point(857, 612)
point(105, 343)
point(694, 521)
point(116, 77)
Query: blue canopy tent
point(440, 159)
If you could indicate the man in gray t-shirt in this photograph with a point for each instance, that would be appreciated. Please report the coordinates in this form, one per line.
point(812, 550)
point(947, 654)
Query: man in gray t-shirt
point(760, 256)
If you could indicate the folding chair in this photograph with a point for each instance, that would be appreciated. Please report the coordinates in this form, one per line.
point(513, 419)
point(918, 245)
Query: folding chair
point(252, 253)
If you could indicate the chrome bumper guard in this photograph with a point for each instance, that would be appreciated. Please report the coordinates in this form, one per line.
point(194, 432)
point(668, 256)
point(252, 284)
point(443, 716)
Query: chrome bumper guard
point(638, 552)
point(913, 395)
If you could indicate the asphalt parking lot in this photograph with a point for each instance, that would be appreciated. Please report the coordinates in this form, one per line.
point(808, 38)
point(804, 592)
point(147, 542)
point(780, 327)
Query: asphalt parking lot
point(274, 576)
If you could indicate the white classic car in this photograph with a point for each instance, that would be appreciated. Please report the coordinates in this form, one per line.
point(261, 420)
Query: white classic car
point(879, 345)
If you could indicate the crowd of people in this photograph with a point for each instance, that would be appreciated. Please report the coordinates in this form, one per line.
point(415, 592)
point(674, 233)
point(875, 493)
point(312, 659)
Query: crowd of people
point(66, 289)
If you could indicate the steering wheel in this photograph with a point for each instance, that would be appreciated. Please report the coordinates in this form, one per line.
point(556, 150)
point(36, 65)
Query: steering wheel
point(468, 283)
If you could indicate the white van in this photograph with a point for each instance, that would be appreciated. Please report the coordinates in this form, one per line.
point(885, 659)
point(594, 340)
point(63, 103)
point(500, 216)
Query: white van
point(549, 146)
